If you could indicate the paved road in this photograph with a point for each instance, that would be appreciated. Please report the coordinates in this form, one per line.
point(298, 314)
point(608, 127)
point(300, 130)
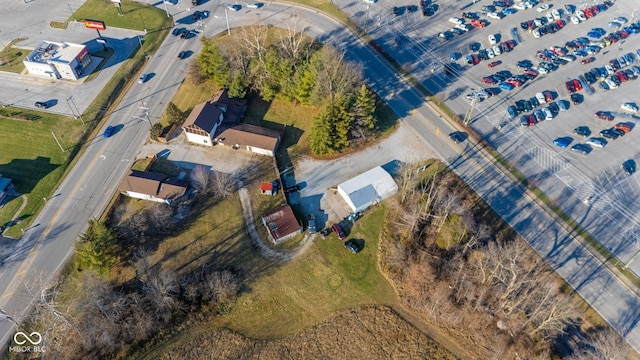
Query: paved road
point(90, 184)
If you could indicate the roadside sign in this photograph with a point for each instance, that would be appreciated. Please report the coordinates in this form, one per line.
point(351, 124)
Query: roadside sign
point(94, 24)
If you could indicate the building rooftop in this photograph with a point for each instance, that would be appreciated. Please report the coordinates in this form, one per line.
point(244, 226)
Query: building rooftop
point(251, 135)
point(49, 51)
point(281, 222)
point(157, 185)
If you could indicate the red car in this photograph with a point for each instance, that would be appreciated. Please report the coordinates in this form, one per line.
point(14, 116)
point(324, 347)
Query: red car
point(560, 23)
point(587, 60)
point(577, 84)
point(489, 80)
point(338, 230)
point(479, 23)
point(495, 63)
point(622, 76)
point(605, 115)
point(588, 13)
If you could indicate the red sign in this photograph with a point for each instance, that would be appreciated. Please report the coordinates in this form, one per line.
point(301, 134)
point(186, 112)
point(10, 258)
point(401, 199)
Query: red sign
point(94, 24)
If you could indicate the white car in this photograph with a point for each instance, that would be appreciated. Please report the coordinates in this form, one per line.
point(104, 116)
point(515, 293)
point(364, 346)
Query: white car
point(456, 20)
point(493, 39)
point(536, 33)
point(520, 6)
point(490, 53)
point(494, 15)
point(543, 8)
point(597, 142)
point(497, 50)
point(142, 78)
point(556, 14)
point(630, 107)
point(612, 84)
point(258, 5)
point(541, 70)
point(575, 20)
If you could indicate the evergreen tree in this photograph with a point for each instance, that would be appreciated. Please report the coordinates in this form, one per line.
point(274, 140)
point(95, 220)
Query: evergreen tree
point(174, 114)
point(214, 65)
point(238, 87)
point(342, 121)
point(97, 248)
point(304, 85)
point(364, 108)
point(321, 138)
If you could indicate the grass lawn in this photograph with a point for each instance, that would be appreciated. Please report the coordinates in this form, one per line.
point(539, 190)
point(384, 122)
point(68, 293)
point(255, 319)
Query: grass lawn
point(11, 58)
point(305, 291)
point(33, 159)
point(137, 16)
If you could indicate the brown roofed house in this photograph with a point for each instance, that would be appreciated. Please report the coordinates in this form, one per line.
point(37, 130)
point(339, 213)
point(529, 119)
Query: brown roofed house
point(203, 121)
point(250, 137)
point(153, 186)
point(281, 224)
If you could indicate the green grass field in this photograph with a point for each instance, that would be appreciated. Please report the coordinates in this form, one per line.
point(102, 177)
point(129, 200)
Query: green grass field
point(326, 279)
point(33, 160)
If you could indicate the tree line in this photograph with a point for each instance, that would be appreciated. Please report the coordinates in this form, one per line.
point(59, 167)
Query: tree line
point(480, 279)
point(297, 69)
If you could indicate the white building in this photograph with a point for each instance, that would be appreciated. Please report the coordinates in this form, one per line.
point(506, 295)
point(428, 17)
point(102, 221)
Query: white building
point(58, 60)
point(367, 189)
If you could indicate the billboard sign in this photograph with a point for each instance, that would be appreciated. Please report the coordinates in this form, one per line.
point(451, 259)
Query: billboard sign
point(94, 24)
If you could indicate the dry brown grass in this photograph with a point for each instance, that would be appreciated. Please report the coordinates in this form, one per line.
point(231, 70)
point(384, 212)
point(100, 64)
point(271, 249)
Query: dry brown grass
point(369, 332)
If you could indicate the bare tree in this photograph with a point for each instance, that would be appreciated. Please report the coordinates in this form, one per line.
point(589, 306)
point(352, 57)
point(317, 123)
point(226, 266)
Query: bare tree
point(604, 344)
point(335, 75)
point(161, 290)
point(201, 177)
point(223, 184)
point(254, 39)
point(292, 40)
point(158, 215)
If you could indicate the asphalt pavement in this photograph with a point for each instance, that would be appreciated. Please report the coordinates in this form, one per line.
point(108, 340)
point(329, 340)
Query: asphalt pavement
point(86, 190)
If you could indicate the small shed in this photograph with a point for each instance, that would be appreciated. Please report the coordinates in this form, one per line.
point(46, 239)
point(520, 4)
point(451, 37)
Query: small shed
point(267, 188)
point(281, 223)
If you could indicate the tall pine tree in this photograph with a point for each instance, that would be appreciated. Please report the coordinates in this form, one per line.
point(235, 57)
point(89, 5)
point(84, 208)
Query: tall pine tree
point(321, 138)
point(364, 108)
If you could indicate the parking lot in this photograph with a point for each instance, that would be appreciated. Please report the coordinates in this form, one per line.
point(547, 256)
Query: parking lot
point(593, 188)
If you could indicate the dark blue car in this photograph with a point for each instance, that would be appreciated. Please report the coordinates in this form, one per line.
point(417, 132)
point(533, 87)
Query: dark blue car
point(108, 131)
point(563, 142)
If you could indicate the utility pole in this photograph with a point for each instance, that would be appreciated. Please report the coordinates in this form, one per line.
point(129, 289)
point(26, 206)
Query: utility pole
point(366, 22)
point(469, 114)
point(79, 115)
point(58, 142)
point(146, 112)
point(141, 48)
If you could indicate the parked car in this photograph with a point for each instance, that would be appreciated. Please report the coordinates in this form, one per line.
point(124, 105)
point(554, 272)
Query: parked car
point(563, 142)
point(495, 63)
point(597, 142)
point(582, 148)
point(576, 99)
point(352, 246)
point(629, 167)
point(292, 189)
point(234, 7)
point(605, 115)
point(182, 54)
point(311, 218)
point(41, 105)
point(629, 107)
point(512, 112)
point(582, 131)
point(338, 230)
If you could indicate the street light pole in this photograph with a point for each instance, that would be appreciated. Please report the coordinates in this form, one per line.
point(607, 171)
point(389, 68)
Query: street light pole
point(226, 15)
point(626, 266)
point(72, 13)
point(141, 48)
point(165, 8)
point(143, 25)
